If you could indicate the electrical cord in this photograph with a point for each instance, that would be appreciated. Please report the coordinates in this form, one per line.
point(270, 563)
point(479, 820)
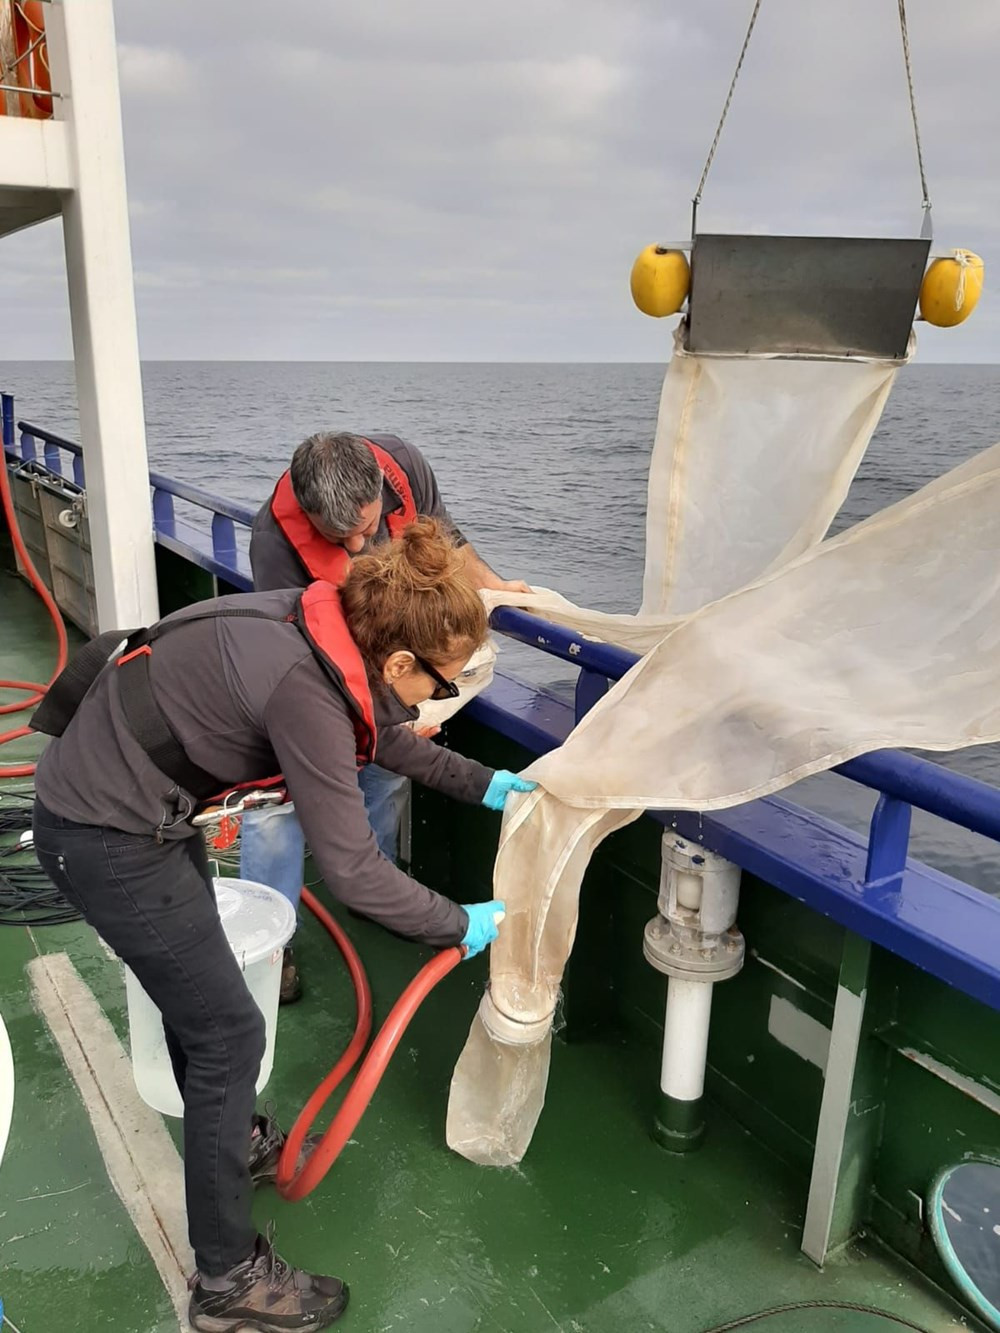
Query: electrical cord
point(27, 895)
point(746, 1320)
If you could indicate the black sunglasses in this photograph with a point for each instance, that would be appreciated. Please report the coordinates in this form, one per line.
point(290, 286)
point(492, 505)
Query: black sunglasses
point(445, 689)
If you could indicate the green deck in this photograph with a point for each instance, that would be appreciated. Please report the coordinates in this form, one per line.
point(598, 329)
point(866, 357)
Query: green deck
point(598, 1230)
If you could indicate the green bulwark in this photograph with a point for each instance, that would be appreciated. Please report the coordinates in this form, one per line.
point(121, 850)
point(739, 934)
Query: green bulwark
point(599, 1229)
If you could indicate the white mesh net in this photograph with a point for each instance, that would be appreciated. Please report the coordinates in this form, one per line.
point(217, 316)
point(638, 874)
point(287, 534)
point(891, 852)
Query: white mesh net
point(888, 635)
point(752, 459)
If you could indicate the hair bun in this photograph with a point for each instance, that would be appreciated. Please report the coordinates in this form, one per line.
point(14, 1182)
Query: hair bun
point(413, 594)
point(428, 558)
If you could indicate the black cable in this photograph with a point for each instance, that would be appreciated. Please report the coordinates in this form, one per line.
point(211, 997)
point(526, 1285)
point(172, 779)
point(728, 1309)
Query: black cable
point(29, 898)
point(27, 895)
point(41, 906)
point(746, 1320)
point(15, 820)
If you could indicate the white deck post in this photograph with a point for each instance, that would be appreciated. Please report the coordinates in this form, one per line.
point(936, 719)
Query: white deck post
point(102, 306)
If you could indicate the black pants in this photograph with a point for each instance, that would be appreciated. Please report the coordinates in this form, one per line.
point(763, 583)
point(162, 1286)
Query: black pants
point(153, 903)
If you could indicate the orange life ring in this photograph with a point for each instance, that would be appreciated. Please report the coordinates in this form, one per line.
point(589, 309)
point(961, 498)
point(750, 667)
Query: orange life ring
point(31, 59)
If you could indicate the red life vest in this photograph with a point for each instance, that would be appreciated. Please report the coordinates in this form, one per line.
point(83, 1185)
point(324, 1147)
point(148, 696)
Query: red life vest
point(322, 558)
point(321, 621)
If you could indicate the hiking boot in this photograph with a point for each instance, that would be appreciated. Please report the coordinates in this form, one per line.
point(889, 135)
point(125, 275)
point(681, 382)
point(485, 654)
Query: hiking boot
point(267, 1294)
point(266, 1143)
point(291, 982)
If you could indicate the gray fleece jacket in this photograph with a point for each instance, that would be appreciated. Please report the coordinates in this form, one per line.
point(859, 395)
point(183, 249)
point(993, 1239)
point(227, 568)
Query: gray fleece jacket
point(247, 699)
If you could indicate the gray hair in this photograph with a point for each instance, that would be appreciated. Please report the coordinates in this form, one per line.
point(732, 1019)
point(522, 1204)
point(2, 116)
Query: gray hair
point(334, 476)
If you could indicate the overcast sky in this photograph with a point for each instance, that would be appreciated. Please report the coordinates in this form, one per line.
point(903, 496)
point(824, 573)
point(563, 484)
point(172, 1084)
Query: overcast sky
point(471, 179)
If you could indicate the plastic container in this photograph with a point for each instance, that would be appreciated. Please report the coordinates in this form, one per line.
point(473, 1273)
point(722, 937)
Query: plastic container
point(258, 922)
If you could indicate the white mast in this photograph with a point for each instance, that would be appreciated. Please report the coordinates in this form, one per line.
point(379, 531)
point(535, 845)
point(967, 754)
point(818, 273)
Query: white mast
point(74, 164)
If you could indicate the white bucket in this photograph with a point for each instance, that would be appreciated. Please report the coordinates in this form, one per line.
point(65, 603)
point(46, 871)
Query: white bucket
point(258, 923)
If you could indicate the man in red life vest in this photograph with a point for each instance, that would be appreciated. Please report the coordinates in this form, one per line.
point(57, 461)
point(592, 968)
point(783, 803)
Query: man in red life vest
point(342, 494)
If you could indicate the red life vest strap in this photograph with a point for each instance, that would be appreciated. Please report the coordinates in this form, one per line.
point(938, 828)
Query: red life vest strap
point(321, 558)
point(400, 483)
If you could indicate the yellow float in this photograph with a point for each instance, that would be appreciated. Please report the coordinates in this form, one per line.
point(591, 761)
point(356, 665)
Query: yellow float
point(951, 289)
point(660, 281)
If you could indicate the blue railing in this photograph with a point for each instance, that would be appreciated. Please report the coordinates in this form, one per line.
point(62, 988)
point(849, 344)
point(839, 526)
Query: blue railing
point(968, 957)
point(215, 548)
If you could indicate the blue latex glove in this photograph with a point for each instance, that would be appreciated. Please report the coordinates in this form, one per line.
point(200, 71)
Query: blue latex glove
point(482, 926)
point(502, 783)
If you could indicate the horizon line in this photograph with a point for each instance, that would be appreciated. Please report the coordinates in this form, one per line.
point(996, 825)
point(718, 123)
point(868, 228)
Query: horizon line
point(385, 361)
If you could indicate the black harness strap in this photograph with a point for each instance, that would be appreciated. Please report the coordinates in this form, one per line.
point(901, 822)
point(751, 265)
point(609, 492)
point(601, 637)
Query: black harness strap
point(142, 713)
point(145, 717)
point(66, 693)
point(150, 728)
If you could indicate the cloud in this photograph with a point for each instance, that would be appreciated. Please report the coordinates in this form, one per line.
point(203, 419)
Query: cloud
point(153, 71)
point(578, 88)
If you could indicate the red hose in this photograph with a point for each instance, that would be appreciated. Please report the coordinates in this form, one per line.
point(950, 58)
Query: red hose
point(296, 1185)
point(36, 690)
